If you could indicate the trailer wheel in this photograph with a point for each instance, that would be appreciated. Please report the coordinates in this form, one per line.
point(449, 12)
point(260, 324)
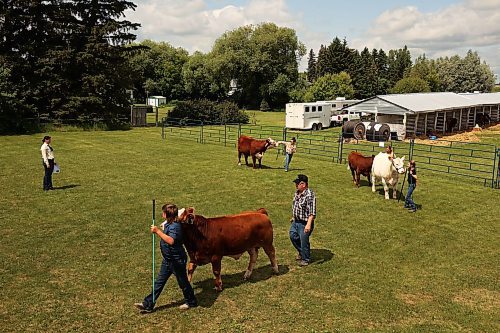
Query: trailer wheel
point(320, 126)
point(314, 127)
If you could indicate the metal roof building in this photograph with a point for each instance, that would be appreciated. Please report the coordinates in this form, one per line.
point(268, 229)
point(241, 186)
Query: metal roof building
point(425, 113)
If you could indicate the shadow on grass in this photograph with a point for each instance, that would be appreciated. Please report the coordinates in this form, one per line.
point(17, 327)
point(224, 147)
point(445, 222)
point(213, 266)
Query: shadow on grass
point(65, 187)
point(320, 256)
point(208, 295)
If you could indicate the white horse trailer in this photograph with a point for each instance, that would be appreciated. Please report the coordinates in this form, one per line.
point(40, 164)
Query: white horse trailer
point(313, 115)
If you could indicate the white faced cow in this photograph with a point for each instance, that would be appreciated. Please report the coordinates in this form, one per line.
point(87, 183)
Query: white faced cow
point(388, 170)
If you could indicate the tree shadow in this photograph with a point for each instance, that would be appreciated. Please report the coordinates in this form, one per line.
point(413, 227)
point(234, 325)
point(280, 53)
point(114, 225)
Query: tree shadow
point(65, 187)
point(320, 256)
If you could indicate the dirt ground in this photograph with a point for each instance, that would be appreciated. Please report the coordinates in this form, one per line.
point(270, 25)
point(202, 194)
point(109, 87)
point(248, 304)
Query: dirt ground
point(473, 135)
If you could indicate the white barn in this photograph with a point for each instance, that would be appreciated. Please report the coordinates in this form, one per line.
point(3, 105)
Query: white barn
point(421, 113)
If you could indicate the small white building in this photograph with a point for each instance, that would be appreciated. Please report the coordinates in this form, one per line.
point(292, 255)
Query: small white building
point(423, 113)
point(156, 100)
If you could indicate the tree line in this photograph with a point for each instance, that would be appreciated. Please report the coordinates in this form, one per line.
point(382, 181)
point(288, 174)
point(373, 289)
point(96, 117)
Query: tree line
point(338, 70)
point(78, 59)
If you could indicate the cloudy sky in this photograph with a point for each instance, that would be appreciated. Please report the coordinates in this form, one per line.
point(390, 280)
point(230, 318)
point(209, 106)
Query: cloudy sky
point(435, 27)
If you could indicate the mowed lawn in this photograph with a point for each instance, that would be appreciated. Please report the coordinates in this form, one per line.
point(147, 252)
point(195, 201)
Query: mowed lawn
point(77, 258)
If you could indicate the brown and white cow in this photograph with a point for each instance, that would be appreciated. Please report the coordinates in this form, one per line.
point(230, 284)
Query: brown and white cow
point(207, 240)
point(249, 146)
point(360, 165)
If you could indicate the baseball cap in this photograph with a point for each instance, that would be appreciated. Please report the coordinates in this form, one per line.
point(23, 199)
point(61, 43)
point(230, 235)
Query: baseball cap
point(301, 178)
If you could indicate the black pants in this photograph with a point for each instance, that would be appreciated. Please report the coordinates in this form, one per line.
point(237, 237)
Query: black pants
point(47, 179)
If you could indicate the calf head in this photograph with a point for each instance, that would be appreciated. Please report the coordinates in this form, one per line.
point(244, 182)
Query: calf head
point(186, 215)
point(399, 164)
point(270, 143)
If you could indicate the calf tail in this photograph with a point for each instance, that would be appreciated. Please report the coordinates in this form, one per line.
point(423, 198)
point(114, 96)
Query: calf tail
point(262, 211)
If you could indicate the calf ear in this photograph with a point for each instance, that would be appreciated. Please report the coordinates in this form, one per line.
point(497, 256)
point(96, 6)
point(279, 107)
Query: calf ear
point(190, 211)
point(402, 159)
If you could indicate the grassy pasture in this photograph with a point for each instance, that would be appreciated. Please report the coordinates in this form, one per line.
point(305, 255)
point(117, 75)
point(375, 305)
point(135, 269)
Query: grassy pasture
point(75, 259)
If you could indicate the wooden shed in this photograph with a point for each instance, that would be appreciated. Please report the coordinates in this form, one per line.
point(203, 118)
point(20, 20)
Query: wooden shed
point(429, 113)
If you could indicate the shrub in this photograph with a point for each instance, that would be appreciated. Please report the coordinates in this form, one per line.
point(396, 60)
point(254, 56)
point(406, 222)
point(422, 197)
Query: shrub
point(208, 111)
point(264, 106)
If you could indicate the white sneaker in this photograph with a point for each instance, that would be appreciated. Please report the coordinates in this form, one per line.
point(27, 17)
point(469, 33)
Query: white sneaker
point(184, 307)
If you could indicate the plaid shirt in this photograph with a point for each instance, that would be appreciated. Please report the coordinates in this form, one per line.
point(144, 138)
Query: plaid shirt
point(304, 205)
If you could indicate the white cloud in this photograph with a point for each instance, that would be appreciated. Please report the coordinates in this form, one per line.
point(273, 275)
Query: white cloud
point(191, 25)
point(472, 24)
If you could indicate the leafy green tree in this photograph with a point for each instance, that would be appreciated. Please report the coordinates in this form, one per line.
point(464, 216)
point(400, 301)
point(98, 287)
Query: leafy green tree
point(409, 85)
point(329, 87)
point(158, 70)
point(199, 78)
point(255, 56)
point(426, 70)
point(464, 75)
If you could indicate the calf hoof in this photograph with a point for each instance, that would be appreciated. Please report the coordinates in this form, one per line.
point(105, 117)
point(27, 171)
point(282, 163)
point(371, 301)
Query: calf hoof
point(276, 270)
point(247, 275)
point(218, 289)
point(239, 163)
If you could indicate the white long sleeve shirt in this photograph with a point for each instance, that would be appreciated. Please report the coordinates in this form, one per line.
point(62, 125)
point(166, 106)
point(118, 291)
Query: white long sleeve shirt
point(47, 153)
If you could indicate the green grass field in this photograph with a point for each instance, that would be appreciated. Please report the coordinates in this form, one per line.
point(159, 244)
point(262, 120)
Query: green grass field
point(77, 258)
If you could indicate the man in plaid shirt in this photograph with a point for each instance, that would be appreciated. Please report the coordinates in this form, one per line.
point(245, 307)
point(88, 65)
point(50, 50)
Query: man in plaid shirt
point(304, 212)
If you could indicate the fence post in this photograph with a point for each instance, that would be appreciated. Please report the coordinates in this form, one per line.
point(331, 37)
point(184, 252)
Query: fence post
point(410, 152)
point(341, 147)
point(201, 133)
point(239, 130)
point(495, 180)
point(163, 129)
point(225, 134)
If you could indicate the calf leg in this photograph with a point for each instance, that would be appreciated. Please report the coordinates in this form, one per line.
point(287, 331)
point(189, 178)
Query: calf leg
point(373, 183)
point(239, 158)
point(271, 253)
point(353, 177)
point(246, 159)
point(216, 266)
point(386, 189)
point(191, 267)
point(358, 176)
point(369, 179)
point(395, 191)
point(254, 160)
point(253, 252)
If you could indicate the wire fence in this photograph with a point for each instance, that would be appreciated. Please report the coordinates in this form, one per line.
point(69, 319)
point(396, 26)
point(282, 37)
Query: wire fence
point(476, 161)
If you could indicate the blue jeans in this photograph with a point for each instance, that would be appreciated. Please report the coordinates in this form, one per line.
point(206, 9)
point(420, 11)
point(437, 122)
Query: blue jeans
point(176, 266)
point(47, 178)
point(288, 159)
point(409, 200)
point(300, 239)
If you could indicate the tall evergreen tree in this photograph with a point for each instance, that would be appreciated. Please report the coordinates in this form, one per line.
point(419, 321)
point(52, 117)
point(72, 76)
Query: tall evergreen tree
point(311, 67)
point(100, 73)
point(322, 62)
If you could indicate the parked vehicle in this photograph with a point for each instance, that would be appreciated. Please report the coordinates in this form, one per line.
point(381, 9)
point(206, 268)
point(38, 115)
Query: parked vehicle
point(344, 116)
point(315, 115)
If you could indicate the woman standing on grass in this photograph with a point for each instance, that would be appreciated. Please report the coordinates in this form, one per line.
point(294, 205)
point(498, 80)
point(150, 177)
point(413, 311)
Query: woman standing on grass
point(48, 162)
point(412, 183)
point(290, 149)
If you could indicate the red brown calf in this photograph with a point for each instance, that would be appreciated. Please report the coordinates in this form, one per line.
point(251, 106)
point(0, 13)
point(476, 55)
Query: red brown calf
point(249, 146)
point(207, 240)
point(360, 165)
